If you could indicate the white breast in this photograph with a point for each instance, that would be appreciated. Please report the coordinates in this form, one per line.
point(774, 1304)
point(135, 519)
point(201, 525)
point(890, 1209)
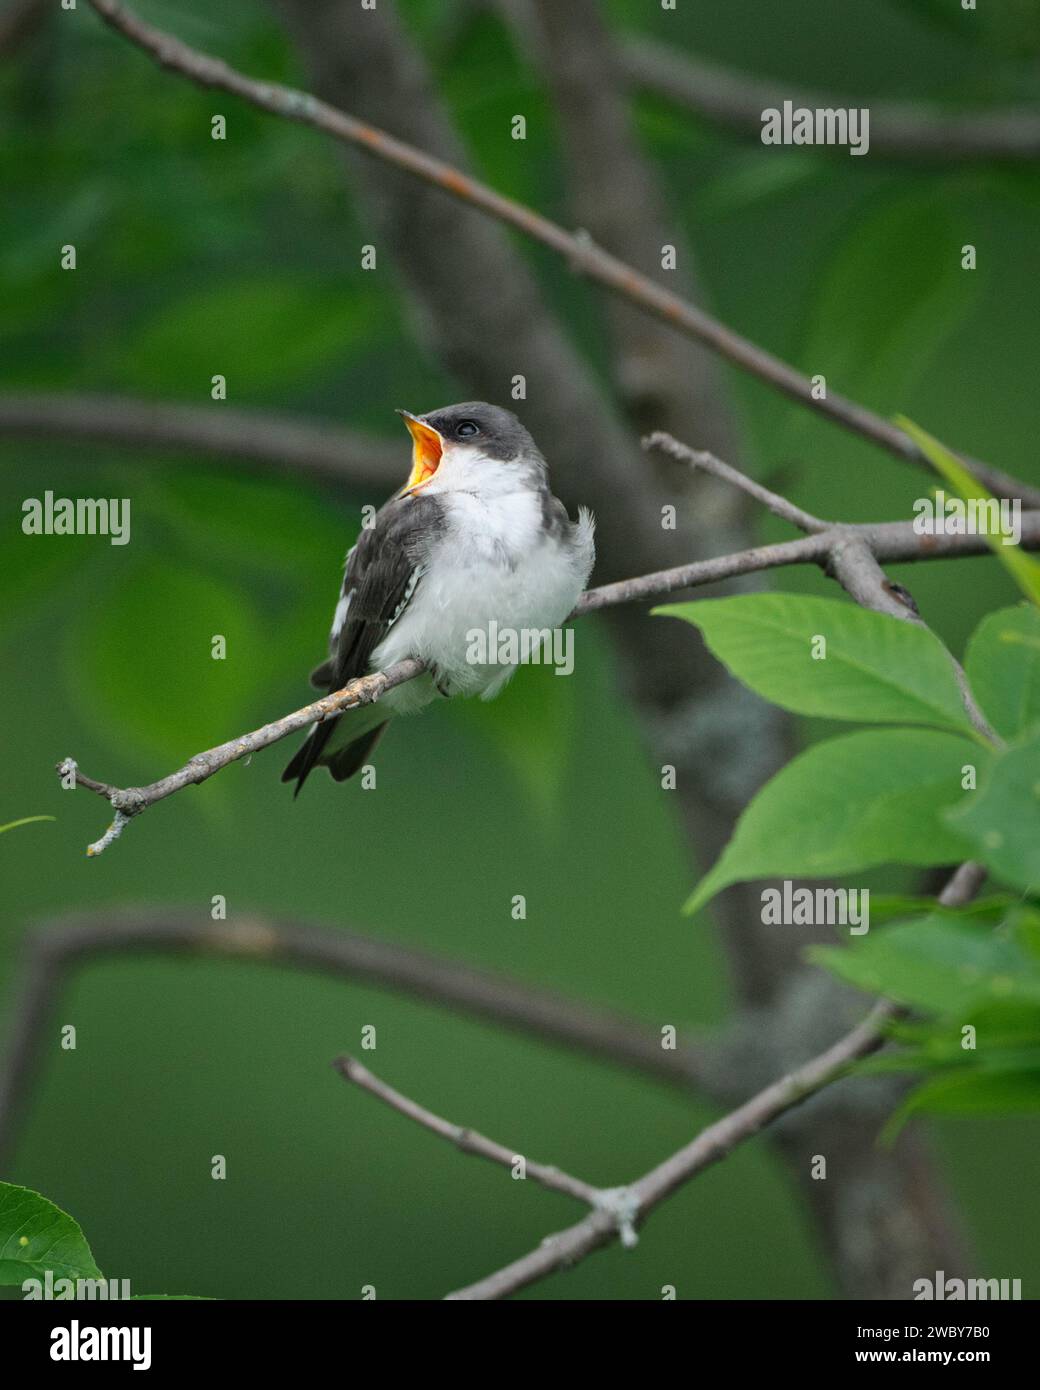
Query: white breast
point(492, 563)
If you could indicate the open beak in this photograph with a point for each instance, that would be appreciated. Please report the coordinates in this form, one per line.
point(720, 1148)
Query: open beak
point(426, 451)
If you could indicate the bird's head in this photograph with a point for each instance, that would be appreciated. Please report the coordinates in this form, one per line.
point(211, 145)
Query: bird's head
point(472, 447)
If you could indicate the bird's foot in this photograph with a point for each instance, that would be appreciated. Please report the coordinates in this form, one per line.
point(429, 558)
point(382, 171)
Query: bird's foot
point(440, 682)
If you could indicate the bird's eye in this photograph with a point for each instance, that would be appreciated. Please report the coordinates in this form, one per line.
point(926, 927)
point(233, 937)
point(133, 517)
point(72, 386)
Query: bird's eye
point(466, 429)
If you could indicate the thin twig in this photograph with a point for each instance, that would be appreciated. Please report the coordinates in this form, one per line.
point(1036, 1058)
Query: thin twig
point(131, 801)
point(713, 1143)
point(579, 252)
point(468, 1140)
point(278, 442)
point(708, 463)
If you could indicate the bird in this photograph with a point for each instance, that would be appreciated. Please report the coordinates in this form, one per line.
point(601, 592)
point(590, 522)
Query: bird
point(475, 537)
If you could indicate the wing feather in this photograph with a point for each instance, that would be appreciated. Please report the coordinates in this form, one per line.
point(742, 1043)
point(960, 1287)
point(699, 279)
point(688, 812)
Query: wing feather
point(383, 573)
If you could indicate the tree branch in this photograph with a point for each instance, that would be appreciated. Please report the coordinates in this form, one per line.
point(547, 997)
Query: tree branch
point(891, 541)
point(900, 130)
point(579, 252)
point(597, 1229)
point(281, 443)
point(54, 949)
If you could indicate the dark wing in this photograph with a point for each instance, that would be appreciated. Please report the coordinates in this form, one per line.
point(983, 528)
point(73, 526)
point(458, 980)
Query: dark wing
point(383, 571)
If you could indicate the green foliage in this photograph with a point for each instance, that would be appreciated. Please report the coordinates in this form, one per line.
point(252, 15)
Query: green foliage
point(875, 669)
point(754, 177)
point(1003, 668)
point(900, 795)
point(36, 1236)
point(975, 990)
point(890, 907)
point(991, 1089)
point(167, 1297)
point(1002, 819)
point(885, 796)
point(942, 966)
point(872, 797)
point(212, 555)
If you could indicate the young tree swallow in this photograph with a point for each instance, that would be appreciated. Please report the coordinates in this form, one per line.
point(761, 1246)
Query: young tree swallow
point(474, 541)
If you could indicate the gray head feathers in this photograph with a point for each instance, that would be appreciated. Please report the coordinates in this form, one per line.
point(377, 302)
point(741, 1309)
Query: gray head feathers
point(496, 432)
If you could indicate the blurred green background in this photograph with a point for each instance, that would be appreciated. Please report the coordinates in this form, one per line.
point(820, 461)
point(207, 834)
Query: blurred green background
point(242, 256)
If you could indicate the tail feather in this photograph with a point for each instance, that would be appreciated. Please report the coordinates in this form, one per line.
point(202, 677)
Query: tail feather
point(306, 756)
point(347, 761)
point(348, 754)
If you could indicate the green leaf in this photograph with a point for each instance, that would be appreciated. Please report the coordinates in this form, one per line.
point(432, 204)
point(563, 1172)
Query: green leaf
point(1024, 570)
point(1001, 821)
point(876, 668)
point(970, 1092)
point(36, 1236)
point(887, 907)
point(944, 966)
point(1003, 668)
point(1026, 922)
point(872, 797)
